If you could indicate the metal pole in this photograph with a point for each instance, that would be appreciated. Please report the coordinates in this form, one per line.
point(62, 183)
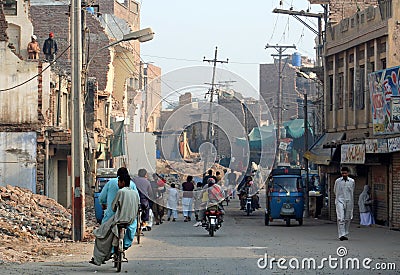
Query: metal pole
point(279, 114)
point(77, 156)
point(305, 149)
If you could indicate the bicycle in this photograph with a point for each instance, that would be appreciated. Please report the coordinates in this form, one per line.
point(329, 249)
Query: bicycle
point(119, 254)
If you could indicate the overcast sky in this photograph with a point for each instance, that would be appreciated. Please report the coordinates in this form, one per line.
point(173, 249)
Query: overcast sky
point(187, 30)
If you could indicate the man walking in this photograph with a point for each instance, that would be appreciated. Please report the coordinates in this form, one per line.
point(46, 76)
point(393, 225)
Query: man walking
point(145, 192)
point(344, 192)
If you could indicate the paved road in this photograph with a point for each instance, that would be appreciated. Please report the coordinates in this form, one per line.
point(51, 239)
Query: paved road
point(180, 248)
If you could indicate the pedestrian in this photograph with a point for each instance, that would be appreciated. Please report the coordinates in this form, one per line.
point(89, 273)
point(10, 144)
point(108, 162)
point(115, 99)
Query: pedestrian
point(364, 205)
point(106, 197)
point(232, 177)
point(33, 48)
point(50, 48)
point(145, 192)
point(172, 203)
point(187, 198)
point(344, 201)
point(158, 186)
point(198, 195)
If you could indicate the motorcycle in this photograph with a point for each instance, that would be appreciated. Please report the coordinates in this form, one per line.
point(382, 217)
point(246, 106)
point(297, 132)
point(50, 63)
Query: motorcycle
point(250, 202)
point(249, 208)
point(213, 219)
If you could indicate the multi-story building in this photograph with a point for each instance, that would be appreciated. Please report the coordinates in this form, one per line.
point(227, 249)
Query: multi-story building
point(355, 49)
point(37, 128)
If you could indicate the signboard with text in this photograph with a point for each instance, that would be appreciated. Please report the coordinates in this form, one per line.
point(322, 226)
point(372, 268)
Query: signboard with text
point(394, 144)
point(353, 153)
point(376, 145)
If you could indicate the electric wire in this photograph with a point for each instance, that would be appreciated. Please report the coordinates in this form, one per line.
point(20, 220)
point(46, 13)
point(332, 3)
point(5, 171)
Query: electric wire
point(35, 76)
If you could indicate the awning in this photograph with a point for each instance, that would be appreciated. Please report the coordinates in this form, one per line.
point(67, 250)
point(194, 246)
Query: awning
point(320, 155)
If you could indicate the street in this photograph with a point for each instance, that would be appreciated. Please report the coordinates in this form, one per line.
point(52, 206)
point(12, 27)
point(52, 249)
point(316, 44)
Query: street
point(180, 248)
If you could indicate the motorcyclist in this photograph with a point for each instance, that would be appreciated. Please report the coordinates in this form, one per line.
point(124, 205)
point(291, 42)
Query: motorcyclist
point(248, 190)
point(215, 196)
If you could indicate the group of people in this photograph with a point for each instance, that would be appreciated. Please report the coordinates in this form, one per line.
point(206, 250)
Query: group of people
point(121, 199)
point(49, 48)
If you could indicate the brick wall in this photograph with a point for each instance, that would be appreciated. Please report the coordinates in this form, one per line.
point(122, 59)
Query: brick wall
point(340, 9)
point(396, 190)
point(55, 19)
point(3, 24)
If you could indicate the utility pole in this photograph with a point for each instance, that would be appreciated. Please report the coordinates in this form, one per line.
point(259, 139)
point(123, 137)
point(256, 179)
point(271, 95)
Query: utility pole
point(280, 49)
point(306, 149)
point(318, 32)
point(211, 92)
point(77, 156)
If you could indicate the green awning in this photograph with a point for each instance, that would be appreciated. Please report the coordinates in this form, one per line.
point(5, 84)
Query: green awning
point(295, 128)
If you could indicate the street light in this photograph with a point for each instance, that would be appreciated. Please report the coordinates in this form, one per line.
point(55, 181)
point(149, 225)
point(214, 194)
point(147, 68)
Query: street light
point(143, 35)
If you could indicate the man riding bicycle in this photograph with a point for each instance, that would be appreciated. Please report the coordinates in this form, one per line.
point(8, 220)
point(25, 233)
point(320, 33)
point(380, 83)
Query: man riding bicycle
point(125, 205)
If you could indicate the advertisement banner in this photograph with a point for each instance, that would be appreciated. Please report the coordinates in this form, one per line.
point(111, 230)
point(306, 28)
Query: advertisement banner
point(384, 89)
point(394, 144)
point(377, 145)
point(353, 153)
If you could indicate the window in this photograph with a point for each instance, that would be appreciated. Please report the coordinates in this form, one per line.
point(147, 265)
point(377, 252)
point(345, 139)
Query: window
point(286, 184)
point(383, 63)
point(330, 95)
point(339, 90)
point(351, 87)
point(10, 7)
point(360, 90)
point(134, 7)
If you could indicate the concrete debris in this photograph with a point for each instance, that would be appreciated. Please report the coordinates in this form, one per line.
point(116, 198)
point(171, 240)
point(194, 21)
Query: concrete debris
point(32, 220)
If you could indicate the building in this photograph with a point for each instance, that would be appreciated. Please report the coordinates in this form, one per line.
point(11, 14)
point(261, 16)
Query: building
point(35, 126)
point(358, 48)
point(34, 122)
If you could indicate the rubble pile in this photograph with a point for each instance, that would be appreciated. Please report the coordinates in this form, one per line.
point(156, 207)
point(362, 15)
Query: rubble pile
point(31, 216)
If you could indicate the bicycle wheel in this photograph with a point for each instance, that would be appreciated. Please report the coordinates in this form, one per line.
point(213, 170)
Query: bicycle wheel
point(119, 261)
point(139, 226)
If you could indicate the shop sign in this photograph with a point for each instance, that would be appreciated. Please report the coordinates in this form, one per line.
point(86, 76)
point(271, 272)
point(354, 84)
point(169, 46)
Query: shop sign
point(377, 145)
point(353, 153)
point(394, 144)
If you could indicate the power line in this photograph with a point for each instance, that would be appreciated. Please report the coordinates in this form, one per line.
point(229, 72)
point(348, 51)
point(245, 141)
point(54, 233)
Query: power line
point(33, 77)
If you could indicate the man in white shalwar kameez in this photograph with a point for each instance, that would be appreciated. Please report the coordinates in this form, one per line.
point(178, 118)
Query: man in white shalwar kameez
point(344, 191)
point(125, 205)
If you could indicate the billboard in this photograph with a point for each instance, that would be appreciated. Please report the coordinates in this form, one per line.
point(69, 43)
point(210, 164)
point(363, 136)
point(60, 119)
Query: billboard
point(384, 89)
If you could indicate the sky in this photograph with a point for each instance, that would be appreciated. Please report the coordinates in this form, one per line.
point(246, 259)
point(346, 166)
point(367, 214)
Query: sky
point(186, 31)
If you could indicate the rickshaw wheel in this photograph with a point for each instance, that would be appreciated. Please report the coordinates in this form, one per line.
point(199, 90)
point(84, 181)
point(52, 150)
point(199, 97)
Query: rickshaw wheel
point(287, 222)
point(300, 221)
point(266, 219)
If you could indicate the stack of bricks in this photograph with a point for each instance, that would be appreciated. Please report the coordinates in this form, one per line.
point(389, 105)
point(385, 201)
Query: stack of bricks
point(3, 24)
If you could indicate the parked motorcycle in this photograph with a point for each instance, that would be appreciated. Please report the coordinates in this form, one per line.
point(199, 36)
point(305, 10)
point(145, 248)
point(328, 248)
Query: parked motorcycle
point(214, 219)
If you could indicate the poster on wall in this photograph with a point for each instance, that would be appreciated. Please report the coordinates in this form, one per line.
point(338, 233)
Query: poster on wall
point(376, 145)
point(384, 89)
point(353, 153)
point(394, 144)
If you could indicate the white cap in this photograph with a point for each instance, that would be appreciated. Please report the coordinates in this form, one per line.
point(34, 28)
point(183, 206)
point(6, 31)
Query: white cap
point(34, 36)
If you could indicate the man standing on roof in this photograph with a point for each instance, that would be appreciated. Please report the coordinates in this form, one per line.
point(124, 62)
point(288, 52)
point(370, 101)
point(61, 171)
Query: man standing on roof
point(50, 48)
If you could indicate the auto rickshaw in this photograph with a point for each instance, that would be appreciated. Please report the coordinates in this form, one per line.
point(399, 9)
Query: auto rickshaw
point(285, 197)
point(103, 175)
